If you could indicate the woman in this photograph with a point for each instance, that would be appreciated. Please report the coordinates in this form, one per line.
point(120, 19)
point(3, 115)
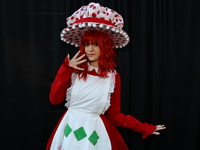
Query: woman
point(91, 86)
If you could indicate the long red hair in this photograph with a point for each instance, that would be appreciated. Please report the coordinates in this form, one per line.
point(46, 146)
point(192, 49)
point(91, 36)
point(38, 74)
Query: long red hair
point(107, 58)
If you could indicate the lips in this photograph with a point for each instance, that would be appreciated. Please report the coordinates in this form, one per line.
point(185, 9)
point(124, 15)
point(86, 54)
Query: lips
point(91, 55)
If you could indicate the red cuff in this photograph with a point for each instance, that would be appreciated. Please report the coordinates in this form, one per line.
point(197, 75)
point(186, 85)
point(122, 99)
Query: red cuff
point(144, 128)
point(149, 129)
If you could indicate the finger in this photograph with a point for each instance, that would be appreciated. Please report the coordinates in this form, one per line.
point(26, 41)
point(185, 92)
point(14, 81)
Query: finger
point(160, 126)
point(76, 55)
point(156, 133)
point(80, 62)
point(68, 56)
point(160, 129)
point(79, 68)
point(79, 58)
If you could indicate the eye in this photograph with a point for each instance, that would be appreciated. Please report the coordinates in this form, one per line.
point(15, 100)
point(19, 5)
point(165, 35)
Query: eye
point(86, 45)
point(95, 44)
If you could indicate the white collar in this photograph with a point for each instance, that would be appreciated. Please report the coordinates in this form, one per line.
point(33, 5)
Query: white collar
point(90, 68)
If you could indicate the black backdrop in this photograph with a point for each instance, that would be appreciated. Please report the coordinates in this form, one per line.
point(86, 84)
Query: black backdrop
point(160, 69)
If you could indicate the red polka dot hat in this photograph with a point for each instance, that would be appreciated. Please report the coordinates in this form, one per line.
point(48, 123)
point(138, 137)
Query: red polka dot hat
point(95, 17)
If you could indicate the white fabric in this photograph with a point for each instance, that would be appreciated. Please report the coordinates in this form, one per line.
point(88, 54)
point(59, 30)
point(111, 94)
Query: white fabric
point(111, 88)
point(88, 99)
point(95, 10)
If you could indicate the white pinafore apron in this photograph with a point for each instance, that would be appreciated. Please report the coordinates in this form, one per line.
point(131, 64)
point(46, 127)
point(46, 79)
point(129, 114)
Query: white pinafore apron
point(81, 128)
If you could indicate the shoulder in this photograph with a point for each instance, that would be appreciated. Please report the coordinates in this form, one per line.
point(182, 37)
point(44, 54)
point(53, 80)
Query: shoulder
point(116, 77)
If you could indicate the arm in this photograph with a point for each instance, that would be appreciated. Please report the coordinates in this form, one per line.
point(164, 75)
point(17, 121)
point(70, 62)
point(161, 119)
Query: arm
point(60, 84)
point(63, 78)
point(126, 121)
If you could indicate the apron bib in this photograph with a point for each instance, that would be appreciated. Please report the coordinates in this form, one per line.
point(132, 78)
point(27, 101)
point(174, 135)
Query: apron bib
point(81, 128)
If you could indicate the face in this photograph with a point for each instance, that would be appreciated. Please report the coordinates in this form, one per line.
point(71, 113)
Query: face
point(92, 52)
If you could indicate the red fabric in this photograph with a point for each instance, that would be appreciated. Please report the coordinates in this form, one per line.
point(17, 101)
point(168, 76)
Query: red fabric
point(116, 139)
point(122, 120)
point(61, 82)
point(113, 115)
point(53, 133)
point(97, 20)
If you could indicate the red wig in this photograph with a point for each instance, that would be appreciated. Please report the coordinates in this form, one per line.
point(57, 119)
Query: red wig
point(107, 58)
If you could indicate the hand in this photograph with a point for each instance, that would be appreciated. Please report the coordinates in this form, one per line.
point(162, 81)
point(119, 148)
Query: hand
point(158, 128)
point(75, 61)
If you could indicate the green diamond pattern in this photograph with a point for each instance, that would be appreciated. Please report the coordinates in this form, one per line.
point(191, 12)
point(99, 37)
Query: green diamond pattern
point(94, 138)
point(67, 130)
point(80, 133)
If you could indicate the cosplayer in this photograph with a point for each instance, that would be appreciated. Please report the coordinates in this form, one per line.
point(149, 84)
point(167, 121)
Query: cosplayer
point(91, 85)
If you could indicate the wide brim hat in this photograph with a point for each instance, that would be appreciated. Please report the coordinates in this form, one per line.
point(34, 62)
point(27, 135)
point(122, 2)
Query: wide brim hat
point(95, 17)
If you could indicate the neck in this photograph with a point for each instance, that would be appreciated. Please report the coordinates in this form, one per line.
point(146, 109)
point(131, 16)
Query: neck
point(94, 64)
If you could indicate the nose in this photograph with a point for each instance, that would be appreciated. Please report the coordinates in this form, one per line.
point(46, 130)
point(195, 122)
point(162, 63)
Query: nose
point(90, 47)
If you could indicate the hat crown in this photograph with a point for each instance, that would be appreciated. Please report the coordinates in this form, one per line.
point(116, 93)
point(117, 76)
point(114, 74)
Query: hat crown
point(95, 10)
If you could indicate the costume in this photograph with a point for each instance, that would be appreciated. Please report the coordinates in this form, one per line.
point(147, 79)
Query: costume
point(113, 115)
point(93, 104)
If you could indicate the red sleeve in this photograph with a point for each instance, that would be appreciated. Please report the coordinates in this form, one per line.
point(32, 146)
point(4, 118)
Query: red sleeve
point(122, 120)
point(60, 84)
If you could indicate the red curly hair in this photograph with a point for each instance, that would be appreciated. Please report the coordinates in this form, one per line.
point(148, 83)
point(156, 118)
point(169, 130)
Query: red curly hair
point(107, 58)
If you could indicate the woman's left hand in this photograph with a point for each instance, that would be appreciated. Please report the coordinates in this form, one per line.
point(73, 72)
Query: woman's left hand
point(158, 128)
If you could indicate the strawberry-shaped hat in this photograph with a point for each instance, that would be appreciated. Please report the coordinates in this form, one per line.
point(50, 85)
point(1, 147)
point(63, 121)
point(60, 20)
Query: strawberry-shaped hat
point(95, 17)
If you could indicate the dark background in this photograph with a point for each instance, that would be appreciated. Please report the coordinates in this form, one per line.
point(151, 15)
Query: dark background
point(159, 68)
